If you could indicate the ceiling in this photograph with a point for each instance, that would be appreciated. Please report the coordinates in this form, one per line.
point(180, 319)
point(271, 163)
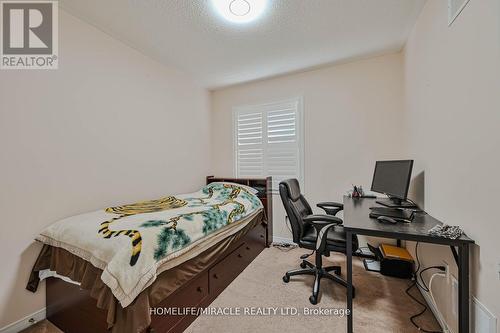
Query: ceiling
point(291, 36)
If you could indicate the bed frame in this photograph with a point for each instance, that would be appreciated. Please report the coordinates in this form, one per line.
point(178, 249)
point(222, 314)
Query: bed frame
point(74, 311)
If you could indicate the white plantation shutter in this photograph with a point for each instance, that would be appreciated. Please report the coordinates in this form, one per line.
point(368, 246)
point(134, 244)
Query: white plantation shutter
point(268, 141)
point(249, 140)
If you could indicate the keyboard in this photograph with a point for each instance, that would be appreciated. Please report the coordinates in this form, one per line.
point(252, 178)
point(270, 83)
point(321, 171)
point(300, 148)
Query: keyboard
point(398, 214)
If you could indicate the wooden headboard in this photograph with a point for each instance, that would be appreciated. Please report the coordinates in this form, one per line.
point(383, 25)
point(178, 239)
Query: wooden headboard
point(264, 186)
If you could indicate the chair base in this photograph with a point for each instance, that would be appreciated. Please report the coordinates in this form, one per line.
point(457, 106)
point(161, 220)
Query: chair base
point(319, 272)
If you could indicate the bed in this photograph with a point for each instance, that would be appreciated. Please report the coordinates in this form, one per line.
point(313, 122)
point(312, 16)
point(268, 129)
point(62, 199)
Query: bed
point(218, 231)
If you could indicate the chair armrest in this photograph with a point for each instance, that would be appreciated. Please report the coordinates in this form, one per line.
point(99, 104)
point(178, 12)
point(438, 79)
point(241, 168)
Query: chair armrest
point(322, 220)
point(331, 208)
point(322, 223)
point(330, 204)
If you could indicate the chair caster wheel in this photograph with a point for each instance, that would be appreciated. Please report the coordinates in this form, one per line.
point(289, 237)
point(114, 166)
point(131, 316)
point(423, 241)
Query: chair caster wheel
point(286, 278)
point(338, 271)
point(313, 300)
point(303, 265)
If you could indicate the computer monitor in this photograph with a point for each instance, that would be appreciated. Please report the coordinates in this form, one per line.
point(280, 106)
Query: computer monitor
point(393, 179)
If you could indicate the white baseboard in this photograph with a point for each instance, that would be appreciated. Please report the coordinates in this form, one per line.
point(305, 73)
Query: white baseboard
point(277, 239)
point(434, 310)
point(483, 321)
point(25, 322)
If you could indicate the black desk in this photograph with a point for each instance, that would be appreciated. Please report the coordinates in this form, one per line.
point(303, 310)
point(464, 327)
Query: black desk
point(357, 222)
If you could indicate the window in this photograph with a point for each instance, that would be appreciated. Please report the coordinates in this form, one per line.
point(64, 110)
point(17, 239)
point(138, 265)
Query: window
point(268, 141)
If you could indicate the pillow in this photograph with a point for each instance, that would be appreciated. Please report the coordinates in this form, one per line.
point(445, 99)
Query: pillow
point(248, 188)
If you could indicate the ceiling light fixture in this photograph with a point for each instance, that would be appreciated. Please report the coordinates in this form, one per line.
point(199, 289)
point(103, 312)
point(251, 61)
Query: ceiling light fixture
point(240, 11)
point(239, 7)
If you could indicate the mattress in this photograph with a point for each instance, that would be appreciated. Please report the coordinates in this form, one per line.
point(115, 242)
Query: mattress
point(133, 243)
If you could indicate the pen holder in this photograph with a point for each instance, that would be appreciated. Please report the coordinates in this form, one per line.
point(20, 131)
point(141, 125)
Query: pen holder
point(357, 192)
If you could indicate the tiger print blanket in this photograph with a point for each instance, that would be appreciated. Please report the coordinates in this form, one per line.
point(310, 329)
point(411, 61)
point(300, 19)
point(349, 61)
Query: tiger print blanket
point(133, 243)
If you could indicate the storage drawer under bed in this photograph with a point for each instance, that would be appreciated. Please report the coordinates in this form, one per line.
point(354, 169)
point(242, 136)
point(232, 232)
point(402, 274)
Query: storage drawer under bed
point(226, 270)
point(189, 296)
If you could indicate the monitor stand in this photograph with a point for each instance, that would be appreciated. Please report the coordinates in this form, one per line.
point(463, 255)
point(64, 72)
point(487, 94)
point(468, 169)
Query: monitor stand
point(396, 203)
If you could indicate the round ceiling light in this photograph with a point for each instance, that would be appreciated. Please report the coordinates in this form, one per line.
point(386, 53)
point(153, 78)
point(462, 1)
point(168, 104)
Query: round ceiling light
point(239, 7)
point(240, 11)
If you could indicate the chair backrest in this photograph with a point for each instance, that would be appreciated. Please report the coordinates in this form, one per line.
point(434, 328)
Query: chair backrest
point(296, 206)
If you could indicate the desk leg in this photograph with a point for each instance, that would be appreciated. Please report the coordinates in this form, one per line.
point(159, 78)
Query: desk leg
point(349, 281)
point(463, 288)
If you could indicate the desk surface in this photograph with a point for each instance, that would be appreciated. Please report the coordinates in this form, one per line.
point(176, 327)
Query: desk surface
point(356, 219)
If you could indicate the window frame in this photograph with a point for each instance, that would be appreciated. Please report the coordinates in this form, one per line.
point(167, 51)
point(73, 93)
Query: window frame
point(263, 107)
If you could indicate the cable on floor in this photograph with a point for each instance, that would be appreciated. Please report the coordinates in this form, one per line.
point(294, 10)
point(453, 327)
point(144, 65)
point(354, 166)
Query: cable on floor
point(415, 282)
point(285, 247)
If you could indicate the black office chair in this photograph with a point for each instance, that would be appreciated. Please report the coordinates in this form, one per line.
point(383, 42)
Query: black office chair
point(321, 233)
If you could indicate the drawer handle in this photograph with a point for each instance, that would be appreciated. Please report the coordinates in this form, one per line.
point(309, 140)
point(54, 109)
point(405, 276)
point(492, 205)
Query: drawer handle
point(261, 236)
point(199, 289)
point(239, 255)
point(216, 276)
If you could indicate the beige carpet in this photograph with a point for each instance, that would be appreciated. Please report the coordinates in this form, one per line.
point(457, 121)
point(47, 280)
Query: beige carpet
point(380, 304)
point(42, 327)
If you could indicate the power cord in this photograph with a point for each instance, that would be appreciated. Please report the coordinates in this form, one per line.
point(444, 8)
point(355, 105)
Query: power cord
point(415, 282)
point(441, 274)
point(411, 201)
point(418, 210)
point(412, 318)
point(424, 287)
point(284, 246)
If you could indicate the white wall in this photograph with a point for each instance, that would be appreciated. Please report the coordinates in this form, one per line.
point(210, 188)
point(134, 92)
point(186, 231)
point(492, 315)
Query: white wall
point(109, 126)
point(452, 86)
point(352, 113)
